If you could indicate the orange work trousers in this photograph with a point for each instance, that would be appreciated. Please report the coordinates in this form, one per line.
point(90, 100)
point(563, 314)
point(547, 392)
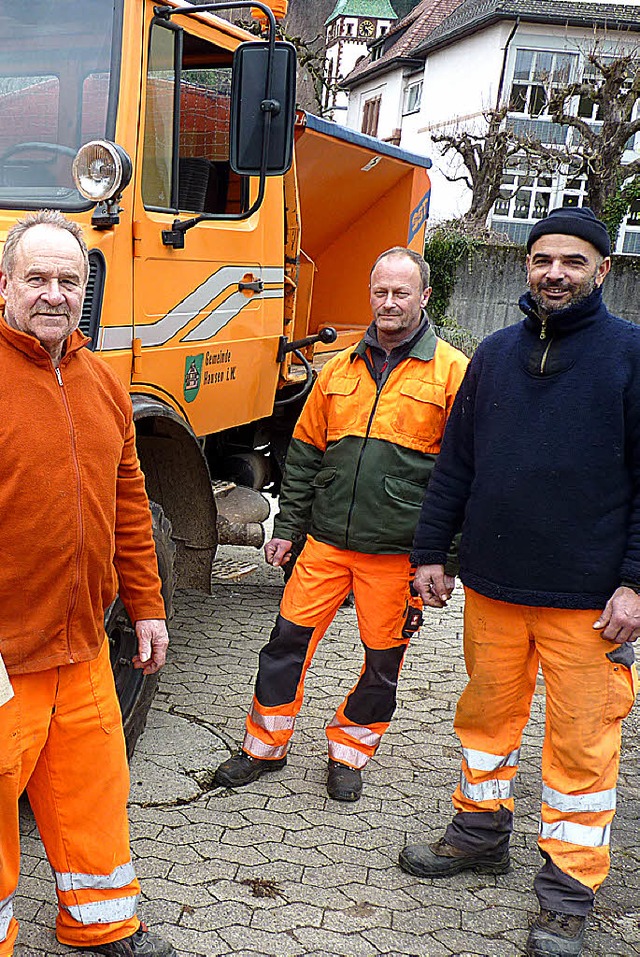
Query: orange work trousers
point(587, 697)
point(61, 738)
point(388, 615)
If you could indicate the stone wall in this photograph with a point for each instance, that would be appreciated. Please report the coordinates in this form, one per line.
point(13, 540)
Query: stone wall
point(491, 279)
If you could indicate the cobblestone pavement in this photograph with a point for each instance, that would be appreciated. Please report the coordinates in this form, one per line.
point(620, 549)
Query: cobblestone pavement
point(277, 868)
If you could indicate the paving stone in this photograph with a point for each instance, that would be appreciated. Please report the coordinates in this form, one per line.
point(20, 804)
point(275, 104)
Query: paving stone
point(353, 945)
point(287, 916)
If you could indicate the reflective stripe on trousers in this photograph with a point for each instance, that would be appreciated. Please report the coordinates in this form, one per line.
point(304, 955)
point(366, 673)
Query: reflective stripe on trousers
point(119, 877)
point(258, 749)
point(587, 698)
point(6, 916)
point(321, 580)
point(578, 834)
point(353, 756)
point(103, 912)
point(70, 755)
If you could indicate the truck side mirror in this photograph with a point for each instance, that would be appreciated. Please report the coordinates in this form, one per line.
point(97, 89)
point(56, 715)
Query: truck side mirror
point(253, 100)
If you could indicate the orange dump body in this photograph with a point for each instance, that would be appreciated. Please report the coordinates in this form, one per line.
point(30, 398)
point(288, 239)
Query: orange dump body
point(357, 197)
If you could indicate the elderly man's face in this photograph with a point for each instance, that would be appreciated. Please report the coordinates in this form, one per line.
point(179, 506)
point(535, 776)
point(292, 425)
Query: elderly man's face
point(43, 295)
point(397, 298)
point(563, 270)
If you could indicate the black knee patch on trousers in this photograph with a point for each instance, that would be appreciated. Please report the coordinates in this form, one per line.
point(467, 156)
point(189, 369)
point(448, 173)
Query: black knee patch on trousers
point(281, 662)
point(374, 697)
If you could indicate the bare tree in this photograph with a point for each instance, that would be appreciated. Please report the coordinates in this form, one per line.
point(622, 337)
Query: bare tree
point(612, 88)
point(599, 109)
point(484, 154)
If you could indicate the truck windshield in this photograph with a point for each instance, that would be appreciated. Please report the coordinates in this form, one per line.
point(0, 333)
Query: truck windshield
point(57, 91)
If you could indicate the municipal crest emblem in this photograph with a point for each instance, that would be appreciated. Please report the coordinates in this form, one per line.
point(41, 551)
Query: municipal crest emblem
point(192, 376)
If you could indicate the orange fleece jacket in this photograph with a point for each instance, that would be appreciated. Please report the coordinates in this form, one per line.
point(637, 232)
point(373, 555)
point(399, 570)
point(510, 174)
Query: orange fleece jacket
point(74, 515)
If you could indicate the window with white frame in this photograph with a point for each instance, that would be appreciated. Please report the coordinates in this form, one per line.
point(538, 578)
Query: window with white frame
point(526, 195)
point(412, 97)
point(536, 74)
point(631, 238)
point(523, 194)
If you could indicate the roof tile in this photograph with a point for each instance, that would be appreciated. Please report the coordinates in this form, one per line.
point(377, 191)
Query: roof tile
point(411, 31)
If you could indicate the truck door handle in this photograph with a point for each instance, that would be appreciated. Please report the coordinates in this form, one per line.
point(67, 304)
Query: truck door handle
point(256, 285)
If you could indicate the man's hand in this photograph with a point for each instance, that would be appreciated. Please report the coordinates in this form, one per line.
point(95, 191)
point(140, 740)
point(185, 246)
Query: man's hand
point(153, 641)
point(433, 586)
point(277, 552)
point(620, 620)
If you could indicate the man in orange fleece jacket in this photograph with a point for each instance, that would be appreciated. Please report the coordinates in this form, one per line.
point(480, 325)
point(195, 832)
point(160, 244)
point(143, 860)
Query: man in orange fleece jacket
point(76, 527)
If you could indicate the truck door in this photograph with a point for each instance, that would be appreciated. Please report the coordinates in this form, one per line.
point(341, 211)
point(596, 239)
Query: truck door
point(208, 316)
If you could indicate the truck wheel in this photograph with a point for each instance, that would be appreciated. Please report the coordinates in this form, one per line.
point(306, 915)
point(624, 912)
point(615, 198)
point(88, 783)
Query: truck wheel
point(135, 690)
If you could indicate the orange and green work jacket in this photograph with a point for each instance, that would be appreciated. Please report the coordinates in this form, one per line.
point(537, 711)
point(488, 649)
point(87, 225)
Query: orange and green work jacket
point(362, 452)
point(74, 515)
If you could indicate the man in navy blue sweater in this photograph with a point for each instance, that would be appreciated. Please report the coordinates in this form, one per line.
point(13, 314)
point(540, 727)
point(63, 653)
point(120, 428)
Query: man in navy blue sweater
point(540, 466)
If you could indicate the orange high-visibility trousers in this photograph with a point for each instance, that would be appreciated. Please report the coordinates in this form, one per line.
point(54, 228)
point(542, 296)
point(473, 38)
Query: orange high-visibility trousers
point(387, 617)
point(587, 696)
point(61, 738)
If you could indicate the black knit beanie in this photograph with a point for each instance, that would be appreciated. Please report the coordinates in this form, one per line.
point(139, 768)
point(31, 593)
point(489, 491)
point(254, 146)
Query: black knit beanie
point(572, 221)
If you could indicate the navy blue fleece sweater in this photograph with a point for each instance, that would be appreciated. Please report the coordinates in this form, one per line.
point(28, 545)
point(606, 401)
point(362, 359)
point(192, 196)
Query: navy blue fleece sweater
point(540, 462)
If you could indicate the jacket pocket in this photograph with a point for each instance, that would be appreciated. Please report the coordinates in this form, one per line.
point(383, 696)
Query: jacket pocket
point(410, 493)
point(324, 477)
point(103, 691)
point(343, 405)
point(622, 688)
point(421, 411)
point(10, 735)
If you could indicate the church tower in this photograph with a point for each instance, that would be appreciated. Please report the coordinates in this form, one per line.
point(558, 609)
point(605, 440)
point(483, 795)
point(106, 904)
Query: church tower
point(350, 28)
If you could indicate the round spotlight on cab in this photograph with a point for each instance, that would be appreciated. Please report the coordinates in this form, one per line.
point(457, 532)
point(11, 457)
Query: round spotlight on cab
point(101, 170)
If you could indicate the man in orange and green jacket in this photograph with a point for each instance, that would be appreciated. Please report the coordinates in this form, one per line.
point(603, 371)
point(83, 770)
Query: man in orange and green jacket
point(356, 471)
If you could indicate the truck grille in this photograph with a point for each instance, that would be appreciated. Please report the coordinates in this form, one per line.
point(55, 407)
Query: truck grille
point(92, 306)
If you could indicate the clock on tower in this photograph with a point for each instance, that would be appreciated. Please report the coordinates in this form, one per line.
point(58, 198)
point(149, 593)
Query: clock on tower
point(366, 28)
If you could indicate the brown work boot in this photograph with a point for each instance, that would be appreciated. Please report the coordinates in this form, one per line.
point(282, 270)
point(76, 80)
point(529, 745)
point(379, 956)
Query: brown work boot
point(141, 944)
point(556, 935)
point(443, 860)
point(241, 769)
point(343, 783)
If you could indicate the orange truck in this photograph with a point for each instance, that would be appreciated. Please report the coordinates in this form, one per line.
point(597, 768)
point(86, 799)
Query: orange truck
point(230, 243)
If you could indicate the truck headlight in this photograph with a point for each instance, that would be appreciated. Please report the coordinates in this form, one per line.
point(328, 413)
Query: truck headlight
point(101, 170)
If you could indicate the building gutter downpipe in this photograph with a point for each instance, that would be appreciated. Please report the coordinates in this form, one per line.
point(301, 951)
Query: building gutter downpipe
point(504, 62)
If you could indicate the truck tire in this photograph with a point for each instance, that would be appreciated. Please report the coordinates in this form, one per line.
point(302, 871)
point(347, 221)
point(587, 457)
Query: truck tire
point(136, 690)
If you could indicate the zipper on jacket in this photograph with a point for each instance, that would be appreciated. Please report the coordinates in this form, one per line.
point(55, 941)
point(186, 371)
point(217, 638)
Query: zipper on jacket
point(355, 478)
point(543, 328)
point(73, 598)
point(543, 360)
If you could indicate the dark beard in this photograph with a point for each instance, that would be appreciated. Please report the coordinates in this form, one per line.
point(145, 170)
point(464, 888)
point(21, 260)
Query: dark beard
point(582, 292)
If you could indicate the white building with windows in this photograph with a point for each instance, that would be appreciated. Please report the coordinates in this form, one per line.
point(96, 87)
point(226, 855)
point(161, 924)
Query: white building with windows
point(449, 61)
point(349, 30)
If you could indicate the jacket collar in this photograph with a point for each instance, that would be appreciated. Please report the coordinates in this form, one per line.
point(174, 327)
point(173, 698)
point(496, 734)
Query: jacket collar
point(32, 348)
point(422, 345)
point(564, 321)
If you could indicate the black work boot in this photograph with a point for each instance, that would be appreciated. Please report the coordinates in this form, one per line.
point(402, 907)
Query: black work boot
point(242, 769)
point(343, 783)
point(556, 935)
point(141, 944)
point(443, 860)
